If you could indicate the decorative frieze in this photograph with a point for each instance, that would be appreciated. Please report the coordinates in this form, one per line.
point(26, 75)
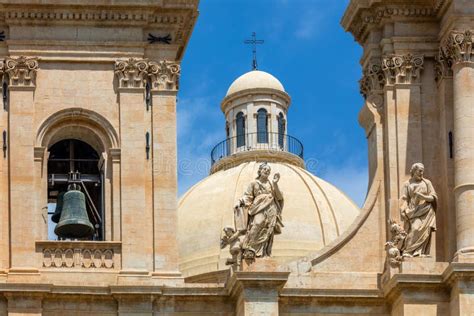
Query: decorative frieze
point(21, 71)
point(457, 47)
point(402, 69)
point(368, 17)
point(131, 73)
point(79, 254)
point(164, 75)
point(373, 79)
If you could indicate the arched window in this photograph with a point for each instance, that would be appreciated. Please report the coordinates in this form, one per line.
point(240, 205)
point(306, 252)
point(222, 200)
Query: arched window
point(240, 122)
point(71, 155)
point(262, 126)
point(281, 130)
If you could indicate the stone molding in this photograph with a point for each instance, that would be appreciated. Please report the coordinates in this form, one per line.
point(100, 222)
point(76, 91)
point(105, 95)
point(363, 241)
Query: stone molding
point(21, 71)
point(164, 75)
point(402, 69)
point(131, 73)
point(359, 19)
point(79, 254)
point(458, 47)
point(134, 73)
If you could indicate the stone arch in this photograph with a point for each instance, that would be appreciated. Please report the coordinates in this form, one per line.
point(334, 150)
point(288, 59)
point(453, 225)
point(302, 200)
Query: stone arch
point(81, 124)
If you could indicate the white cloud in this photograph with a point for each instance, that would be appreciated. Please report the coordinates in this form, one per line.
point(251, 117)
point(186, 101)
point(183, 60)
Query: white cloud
point(351, 179)
point(200, 127)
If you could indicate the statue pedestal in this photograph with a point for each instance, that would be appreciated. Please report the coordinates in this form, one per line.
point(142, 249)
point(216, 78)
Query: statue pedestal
point(256, 288)
point(260, 265)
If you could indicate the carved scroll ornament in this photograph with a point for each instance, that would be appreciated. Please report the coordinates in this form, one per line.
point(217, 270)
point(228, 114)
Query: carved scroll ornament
point(131, 73)
point(373, 79)
point(21, 71)
point(402, 68)
point(164, 75)
point(458, 47)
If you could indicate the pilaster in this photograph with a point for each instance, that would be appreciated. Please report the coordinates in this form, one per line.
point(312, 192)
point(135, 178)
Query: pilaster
point(371, 114)
point(136, 228)
point(26, 220)
point(458, 51)
point(402, 118)
point(164, 79)
point(4, 185)
point(444, 79)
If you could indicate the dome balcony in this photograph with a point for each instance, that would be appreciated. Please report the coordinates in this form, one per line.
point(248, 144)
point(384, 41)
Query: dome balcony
point(271, 147)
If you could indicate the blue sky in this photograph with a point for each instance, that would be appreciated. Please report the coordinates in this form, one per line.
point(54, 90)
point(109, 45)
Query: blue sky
point(308, 51)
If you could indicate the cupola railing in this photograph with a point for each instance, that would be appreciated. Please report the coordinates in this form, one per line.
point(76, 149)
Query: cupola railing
point(257, 142)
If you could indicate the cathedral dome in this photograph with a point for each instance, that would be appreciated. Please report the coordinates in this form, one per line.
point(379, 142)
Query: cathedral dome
point(255, 79)
point(314, 214)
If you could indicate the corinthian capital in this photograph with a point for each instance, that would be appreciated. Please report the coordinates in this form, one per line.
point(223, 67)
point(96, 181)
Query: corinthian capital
point(458, 47)
point(373, 79)
point(443, 66)
point(402, 68)
point(21, 71)
point(131, 73)
point(164, 75)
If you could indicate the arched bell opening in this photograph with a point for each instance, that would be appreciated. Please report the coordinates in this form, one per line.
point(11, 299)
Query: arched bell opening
point(73, 156)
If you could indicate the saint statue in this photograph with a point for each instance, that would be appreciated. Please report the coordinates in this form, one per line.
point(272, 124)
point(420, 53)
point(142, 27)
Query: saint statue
point(263, 204)
point(257, 218)
point(418, 207)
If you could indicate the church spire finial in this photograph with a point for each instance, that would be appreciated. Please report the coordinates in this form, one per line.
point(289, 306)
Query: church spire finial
point(254, 41)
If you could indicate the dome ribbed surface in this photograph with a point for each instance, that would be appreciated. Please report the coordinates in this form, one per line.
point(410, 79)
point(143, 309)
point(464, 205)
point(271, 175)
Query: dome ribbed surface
point(315, 213)
point(255, 79)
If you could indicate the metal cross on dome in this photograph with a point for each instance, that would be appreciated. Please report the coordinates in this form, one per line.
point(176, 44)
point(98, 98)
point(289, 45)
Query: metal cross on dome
point(254, 41)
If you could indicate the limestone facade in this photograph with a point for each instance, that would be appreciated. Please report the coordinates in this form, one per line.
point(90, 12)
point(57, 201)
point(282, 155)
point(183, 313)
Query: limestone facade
point(106, 73)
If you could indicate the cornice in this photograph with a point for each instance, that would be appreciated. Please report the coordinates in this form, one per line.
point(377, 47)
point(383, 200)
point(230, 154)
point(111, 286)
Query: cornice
point(361, 16)
point(175, 18)
point(226, 102)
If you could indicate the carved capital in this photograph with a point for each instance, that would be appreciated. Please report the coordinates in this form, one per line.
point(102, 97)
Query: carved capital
point(131, 73)
point(458, 47)
point(164, 75)
point(373, 79)
point(22, 71)
point(443, 66)
point(404, 69)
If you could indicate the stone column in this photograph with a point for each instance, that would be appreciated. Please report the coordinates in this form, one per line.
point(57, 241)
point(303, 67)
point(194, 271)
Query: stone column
point(26, 221)
point(402, 121)
point(136, 227)
point(458, 49)
point(447, 216)
point(116, 198)
point(256, 293)
point(4, 218)
point(371, 114)
point(164, 78)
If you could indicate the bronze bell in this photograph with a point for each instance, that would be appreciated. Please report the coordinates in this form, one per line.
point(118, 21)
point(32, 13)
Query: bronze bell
point(74, 222)
point(59, 207)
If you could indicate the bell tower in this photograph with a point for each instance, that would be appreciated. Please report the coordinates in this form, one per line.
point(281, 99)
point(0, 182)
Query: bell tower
point(88, 175)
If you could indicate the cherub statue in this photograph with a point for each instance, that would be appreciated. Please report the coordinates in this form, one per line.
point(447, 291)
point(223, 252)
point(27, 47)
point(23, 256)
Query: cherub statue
point(231, 238)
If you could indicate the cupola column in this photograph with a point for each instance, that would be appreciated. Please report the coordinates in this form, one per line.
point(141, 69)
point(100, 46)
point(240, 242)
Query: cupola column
point(458, 49)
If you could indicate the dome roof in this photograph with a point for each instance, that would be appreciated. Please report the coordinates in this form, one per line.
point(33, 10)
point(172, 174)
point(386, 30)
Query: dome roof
point(314, 214)
point(255, 79)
